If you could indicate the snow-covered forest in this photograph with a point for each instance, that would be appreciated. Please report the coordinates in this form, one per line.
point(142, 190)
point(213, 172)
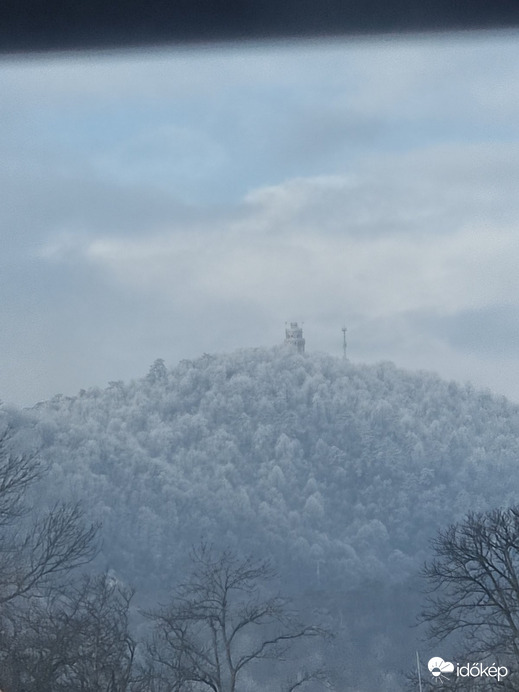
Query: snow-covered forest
point(339, 474)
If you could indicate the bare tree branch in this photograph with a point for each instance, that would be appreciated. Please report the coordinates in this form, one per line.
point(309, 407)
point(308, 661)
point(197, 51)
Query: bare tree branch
point(17, 473)
point(473, 584)
point(56, 544)
point(320, 676)
point(219, 623)
point(75, 638)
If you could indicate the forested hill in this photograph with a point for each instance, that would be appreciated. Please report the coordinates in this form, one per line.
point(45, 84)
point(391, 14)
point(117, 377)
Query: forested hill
point(340, 472)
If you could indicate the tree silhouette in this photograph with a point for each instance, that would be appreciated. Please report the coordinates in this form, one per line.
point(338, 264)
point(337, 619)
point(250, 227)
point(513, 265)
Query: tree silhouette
point(66, 638)
point(473, 589)
point(220, 624)
point(52, 544)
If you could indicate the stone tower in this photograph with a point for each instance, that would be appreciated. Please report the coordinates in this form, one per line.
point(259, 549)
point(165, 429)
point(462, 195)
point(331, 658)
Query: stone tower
point(294, 337)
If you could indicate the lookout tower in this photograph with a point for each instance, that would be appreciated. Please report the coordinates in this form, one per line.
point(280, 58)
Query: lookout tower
point(294, 336)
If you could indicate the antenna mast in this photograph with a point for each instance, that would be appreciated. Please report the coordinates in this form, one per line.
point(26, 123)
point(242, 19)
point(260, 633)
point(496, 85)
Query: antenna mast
point(344, 330)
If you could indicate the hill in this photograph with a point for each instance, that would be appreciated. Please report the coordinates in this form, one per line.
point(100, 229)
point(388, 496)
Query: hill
point(340, 473)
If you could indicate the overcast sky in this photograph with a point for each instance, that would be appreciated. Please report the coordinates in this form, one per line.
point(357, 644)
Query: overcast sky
point(171, 203)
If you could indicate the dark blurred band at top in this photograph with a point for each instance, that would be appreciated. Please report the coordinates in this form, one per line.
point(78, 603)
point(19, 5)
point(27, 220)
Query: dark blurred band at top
point(49, 25)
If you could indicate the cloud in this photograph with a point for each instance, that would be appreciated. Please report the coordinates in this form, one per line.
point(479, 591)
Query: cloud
point(167, 203)
point(368, 243)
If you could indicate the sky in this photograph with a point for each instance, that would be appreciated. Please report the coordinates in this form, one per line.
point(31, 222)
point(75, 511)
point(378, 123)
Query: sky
point(170, 203)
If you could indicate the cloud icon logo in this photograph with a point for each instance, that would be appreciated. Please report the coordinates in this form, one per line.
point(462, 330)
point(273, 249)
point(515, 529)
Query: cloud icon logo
point(438, 666)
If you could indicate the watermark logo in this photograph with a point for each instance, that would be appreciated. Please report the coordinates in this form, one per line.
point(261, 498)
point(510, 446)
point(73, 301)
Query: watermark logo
point(478, 670)
point(440, 668)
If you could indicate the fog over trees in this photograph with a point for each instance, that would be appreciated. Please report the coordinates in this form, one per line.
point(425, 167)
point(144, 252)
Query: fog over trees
point(338, 474)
